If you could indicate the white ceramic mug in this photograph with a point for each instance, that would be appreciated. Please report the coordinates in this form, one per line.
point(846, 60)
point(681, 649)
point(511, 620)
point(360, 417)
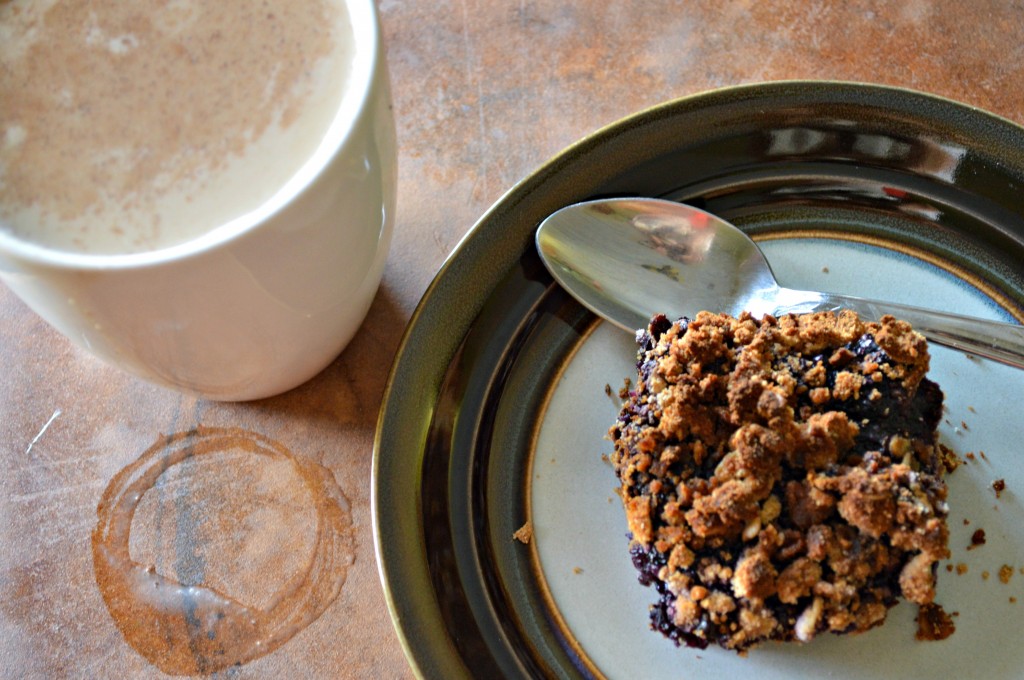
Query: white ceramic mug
point(262, 303)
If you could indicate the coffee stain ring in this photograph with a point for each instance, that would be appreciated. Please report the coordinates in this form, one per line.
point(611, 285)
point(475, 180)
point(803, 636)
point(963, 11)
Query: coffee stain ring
point(185, 630)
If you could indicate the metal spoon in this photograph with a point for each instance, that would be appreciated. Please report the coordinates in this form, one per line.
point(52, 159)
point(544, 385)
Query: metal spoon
point(627, 259)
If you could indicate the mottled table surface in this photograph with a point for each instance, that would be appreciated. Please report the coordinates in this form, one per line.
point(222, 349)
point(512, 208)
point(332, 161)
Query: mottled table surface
point(485, 91)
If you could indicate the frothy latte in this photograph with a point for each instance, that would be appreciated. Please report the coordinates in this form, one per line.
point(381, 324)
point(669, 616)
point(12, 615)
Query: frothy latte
point(132, 126)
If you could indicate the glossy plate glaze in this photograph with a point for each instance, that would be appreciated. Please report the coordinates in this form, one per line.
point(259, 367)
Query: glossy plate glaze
point(497, 405)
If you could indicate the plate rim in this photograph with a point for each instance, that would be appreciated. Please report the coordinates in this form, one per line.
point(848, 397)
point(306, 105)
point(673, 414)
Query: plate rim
point(427, 647)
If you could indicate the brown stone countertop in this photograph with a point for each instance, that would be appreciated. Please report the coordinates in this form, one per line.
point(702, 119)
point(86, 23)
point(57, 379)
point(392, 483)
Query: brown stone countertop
point(484, 91)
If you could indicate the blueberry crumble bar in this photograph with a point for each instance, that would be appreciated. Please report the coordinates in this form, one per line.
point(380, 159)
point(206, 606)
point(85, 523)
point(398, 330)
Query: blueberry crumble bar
point(781, 477)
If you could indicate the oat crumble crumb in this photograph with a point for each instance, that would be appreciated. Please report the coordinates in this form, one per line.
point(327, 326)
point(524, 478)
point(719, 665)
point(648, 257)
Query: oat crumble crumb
point(1005, 573)
point(933, 623)
point(524, 534)
point(627, 385)
point(949, 458)
point(999, 486)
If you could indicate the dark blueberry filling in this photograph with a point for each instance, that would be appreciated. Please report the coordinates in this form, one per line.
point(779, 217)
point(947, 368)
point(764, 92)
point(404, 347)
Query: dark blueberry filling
point(648, 562)
point(893, 411)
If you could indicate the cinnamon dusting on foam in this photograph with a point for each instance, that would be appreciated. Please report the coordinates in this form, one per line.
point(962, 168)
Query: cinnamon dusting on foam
point(132, 126)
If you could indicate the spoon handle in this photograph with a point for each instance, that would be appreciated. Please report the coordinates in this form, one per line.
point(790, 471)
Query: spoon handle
point(1003, 342)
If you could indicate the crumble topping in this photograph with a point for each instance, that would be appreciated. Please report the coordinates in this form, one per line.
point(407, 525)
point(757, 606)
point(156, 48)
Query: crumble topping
point(781, 477)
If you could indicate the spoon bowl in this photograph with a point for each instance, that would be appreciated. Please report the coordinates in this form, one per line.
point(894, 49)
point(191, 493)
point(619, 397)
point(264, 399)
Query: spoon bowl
point(627, 259)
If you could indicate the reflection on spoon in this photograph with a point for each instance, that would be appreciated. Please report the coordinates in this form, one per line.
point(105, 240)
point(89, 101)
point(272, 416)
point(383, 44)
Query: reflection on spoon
point(188, 629)
point(628, 259)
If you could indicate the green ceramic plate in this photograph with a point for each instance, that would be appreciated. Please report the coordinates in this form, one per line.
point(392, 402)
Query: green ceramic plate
point(496, 408)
